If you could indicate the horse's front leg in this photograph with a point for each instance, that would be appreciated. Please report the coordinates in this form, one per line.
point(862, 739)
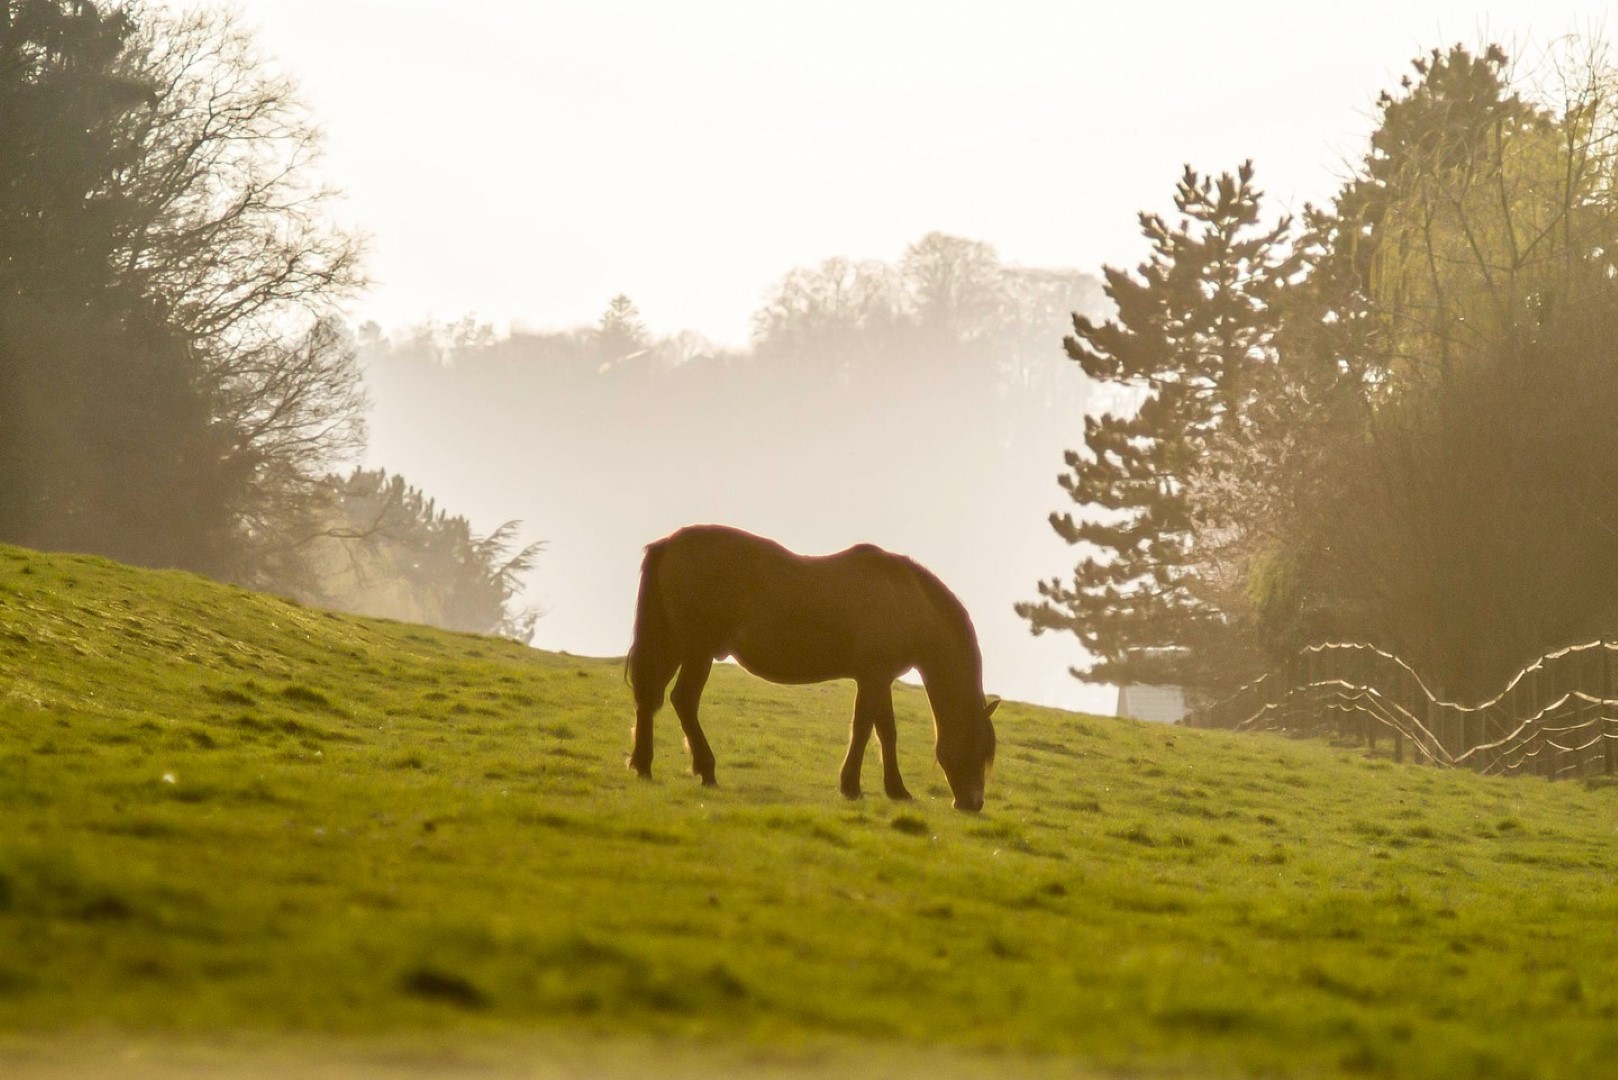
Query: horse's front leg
point(887, 736)
point(857, 738)
point(686, 697)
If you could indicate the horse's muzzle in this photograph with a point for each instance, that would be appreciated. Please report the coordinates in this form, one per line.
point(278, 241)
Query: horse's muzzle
point(970, 803)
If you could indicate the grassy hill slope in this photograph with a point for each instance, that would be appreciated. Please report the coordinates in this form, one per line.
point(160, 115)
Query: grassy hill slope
point(224, 813)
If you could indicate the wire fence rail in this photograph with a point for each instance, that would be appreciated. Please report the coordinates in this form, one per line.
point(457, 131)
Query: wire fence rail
point(1557, 718)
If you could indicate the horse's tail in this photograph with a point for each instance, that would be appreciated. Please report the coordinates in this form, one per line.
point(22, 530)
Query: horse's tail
point(650, 647)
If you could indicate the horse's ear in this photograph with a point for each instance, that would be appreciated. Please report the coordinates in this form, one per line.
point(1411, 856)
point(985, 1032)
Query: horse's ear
point(990, 704)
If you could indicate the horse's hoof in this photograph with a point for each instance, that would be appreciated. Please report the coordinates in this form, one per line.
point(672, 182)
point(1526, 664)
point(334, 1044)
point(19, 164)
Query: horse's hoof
point(901, 796)
point(642, 771)
point(852, 793)
point(708, 781)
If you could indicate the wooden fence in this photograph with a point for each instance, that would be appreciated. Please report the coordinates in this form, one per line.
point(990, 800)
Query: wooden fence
point(1557, 718)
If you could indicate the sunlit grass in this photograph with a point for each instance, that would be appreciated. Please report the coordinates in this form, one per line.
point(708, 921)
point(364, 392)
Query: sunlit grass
point(225, 814)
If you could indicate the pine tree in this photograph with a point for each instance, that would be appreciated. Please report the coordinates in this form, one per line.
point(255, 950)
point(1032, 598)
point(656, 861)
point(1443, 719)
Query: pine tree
point(1189, 348)
point(621, 334)
point(391, 552)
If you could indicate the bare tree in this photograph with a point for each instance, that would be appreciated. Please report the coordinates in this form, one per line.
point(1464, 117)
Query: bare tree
point(228, 224)
point(957, 289)
point(843, 312)
point(173, 377)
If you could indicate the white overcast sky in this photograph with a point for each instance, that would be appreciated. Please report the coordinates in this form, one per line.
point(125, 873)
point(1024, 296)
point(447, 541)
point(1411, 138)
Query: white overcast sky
point(529, 160)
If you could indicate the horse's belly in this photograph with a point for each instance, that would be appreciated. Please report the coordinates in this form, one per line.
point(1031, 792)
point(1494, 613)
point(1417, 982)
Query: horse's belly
point(799, 665)
point(780, 669)
point(784, 675)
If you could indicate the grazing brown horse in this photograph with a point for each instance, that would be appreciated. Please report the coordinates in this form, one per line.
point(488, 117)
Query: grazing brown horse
point(708, 592)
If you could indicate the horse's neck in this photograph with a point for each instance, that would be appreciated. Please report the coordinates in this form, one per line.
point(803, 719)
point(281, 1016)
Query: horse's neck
point(952, 676)
point(947, 646)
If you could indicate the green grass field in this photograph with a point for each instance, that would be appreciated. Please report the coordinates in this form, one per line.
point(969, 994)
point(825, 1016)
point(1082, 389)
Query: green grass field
point(239, 833)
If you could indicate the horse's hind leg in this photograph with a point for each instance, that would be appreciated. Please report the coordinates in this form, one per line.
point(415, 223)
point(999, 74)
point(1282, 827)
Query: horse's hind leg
point(887, 737)
point(686, 697)
point(859, 735)
point(650, 676)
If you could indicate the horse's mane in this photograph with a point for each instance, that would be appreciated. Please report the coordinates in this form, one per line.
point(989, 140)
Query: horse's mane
point(945, 601)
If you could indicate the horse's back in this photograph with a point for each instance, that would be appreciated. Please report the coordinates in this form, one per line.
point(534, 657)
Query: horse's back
point(709, 576)
point(713, 567)
point(719, 567)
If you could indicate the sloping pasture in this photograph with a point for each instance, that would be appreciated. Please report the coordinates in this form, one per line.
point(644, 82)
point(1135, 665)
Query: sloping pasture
point(233, 830)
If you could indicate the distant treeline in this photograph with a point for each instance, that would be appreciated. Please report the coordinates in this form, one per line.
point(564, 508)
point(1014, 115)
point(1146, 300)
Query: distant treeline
point(946, 353)
point(920, 403)
point(949, 311)
point(925, 371)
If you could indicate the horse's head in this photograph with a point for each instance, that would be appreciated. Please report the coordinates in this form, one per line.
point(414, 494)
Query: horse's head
point(966, 750)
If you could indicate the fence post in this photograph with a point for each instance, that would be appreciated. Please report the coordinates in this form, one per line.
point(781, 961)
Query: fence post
point(1289, 703)
point(1607, 692)
point(1368, 723)
point(1547, 749)
point(1559, 759)
point(1544, 694)
point(1423, 721)
point(1312, 717)
point(1298, 715)
point(1437, 721)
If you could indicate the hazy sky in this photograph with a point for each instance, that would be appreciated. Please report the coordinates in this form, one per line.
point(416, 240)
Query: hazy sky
point(529, 160)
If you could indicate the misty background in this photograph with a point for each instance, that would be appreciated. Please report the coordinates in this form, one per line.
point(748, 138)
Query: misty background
point(691, 157)
point(603, 270)
point(913, 404)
